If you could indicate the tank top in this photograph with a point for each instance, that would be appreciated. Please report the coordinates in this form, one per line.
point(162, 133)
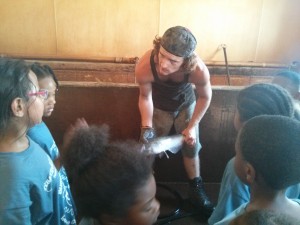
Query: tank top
point(169, 95)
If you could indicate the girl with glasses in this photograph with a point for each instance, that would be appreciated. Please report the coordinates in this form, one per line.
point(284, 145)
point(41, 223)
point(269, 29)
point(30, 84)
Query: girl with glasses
point(30, 184)
point(42, 135)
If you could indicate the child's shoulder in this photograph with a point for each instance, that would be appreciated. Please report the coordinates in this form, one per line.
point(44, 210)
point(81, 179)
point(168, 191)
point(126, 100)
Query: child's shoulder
point(36, 151)
point(38, 127)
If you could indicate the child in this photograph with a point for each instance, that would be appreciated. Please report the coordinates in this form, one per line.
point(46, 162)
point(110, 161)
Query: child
point(264, 217)
point(267, 160)
point(42, 136)
point(112, 183)
point(40, 132)
point(255, 100)
point(30, 186)
point(290, 80)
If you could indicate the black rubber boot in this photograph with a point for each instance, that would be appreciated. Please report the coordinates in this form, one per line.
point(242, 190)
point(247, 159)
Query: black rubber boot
point(198, 197)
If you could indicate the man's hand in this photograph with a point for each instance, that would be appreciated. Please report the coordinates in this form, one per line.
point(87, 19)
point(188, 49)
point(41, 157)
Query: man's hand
point(147, 134)
point(189, 136)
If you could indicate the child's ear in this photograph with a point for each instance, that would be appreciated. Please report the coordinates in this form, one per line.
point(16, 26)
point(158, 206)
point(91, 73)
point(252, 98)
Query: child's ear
point(250, 173)
point(17, 107)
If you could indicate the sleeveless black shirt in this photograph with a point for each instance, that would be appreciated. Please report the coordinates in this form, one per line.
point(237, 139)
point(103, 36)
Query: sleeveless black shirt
point(169, 95)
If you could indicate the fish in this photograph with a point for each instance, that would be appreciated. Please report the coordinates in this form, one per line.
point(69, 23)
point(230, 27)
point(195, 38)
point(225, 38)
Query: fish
point(172, 143)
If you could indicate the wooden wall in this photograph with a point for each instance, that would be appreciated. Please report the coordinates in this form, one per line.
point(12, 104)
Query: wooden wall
point(115, 72)
point(108, 93)
point(117, 106)
point(254, 31)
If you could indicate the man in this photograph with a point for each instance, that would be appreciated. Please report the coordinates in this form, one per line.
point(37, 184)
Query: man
point(166, 75)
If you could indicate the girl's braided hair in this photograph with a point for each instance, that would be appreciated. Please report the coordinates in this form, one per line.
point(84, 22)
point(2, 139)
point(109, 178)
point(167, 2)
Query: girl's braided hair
point(264, 99)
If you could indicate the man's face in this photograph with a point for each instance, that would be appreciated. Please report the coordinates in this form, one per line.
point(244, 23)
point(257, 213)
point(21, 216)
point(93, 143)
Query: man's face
point(168, 63)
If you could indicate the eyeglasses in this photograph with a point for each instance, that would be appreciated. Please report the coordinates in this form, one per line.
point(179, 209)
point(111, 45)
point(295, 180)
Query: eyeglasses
point(52, 93)
point(42, 93)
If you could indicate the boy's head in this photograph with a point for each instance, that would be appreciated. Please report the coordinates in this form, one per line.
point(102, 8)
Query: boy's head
point(289, 80)
point(269, 145)
point(262, 99)
point(48, 81)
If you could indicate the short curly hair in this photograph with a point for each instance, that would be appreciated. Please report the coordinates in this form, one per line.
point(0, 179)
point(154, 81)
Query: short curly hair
point(105, 176)
point(270, 143)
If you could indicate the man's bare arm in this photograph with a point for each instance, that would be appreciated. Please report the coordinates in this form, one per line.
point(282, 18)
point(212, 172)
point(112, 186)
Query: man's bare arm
point(201, 80)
